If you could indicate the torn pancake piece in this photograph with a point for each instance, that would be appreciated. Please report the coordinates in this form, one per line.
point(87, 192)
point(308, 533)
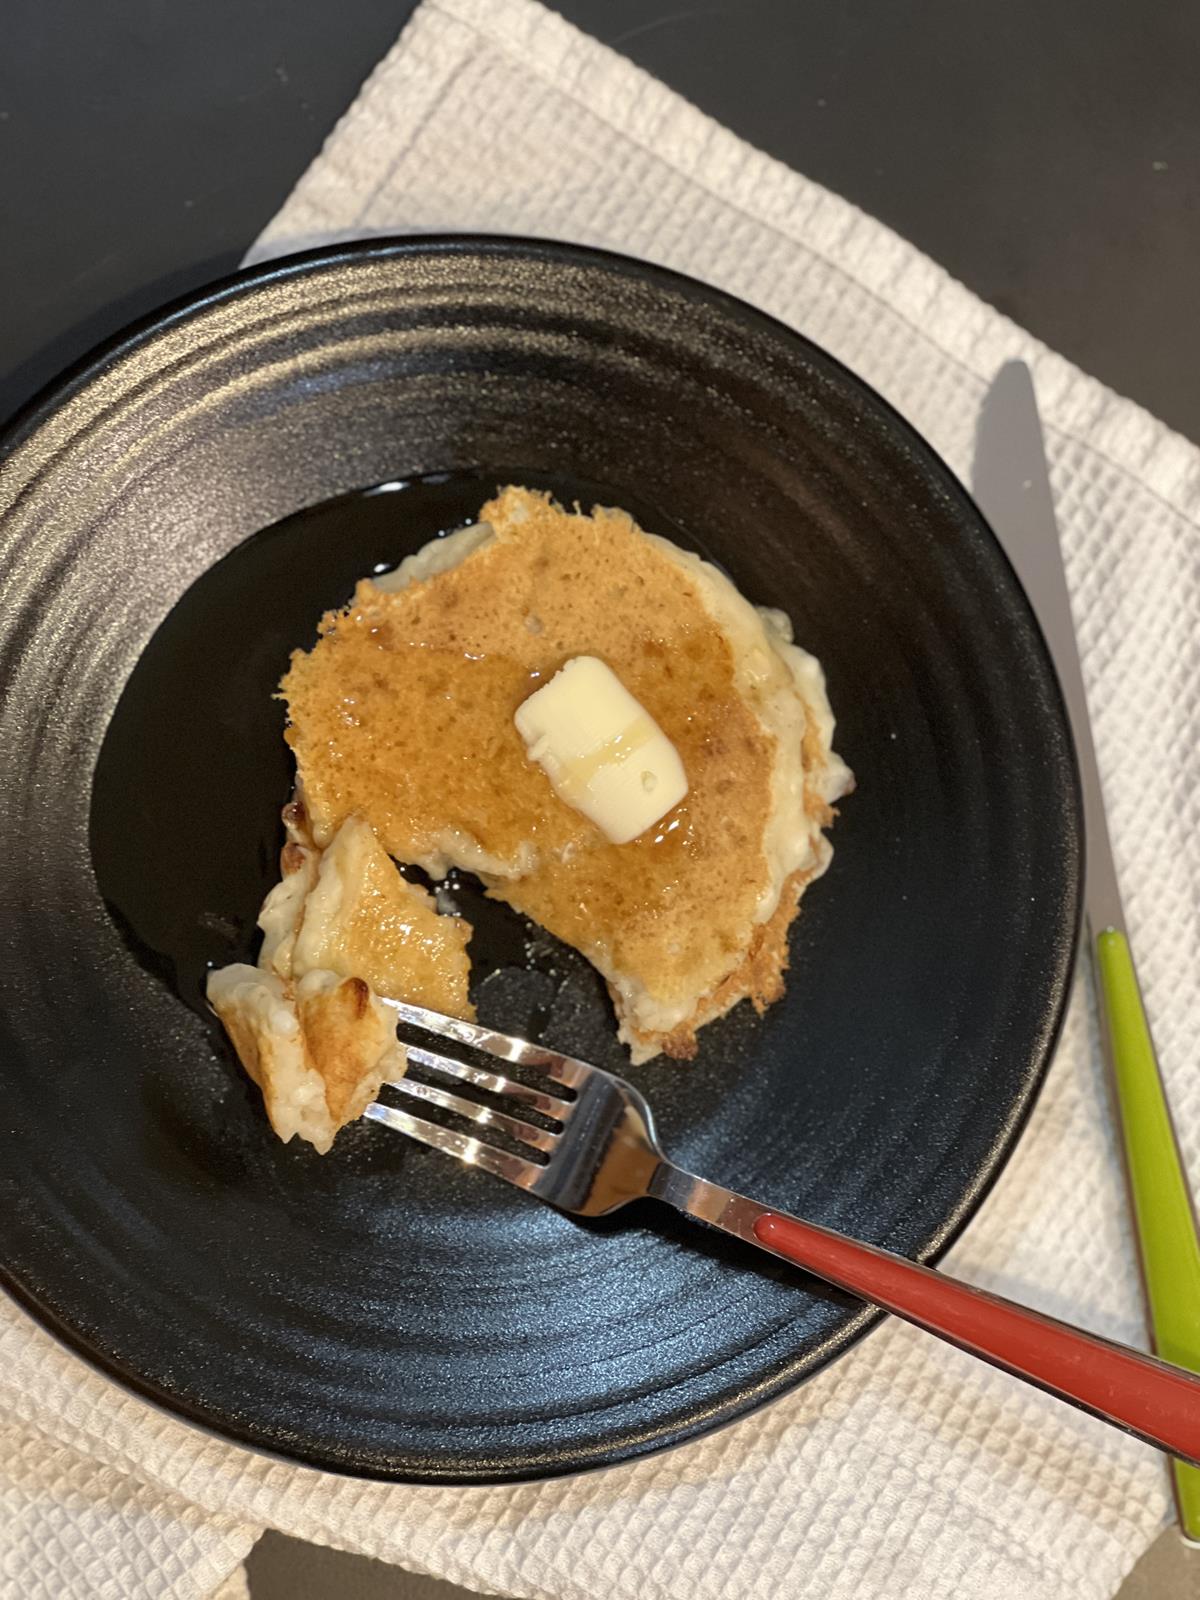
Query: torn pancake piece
point(362, 918)
point(318, 1053)
point(342, 928)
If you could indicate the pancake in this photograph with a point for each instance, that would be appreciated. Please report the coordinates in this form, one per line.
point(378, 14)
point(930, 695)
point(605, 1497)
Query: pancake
point(341, 929)
point(402, 715)
point(362, 919)
point(318, 1052)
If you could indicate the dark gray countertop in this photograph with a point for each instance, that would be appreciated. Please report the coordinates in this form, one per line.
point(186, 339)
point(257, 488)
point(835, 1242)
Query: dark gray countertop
point(1047, 154)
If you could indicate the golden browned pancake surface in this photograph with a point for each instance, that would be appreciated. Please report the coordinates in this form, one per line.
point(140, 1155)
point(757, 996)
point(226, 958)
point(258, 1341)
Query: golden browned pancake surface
point(403, 712)
point(363, 919)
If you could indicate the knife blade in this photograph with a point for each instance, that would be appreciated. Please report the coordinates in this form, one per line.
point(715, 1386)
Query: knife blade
point(1012, 487)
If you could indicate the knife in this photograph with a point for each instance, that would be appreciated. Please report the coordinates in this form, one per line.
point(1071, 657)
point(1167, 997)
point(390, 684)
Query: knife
point(1012, 486)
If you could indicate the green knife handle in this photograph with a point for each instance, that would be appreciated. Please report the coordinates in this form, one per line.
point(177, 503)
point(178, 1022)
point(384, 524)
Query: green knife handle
point(1166, 1223)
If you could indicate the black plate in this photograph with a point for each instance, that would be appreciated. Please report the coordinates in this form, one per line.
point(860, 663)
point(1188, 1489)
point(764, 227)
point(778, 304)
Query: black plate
point(382, 1311)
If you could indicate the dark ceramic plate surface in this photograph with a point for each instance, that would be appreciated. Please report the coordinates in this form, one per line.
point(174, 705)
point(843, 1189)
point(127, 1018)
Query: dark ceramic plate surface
point(382, 1311)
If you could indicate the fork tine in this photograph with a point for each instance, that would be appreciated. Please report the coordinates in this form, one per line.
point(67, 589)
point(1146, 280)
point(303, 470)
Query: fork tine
point(539, 1138)
point(549, 1104)
point(564, 1069)
point(473, 1151)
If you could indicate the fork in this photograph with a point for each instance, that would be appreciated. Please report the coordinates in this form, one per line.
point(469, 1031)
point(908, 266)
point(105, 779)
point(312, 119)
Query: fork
point(602, 1151)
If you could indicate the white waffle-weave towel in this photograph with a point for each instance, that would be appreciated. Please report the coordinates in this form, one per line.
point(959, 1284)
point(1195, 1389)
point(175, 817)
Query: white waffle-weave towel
point(908, 1469)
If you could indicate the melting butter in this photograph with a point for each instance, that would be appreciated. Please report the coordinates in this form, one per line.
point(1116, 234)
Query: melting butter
point(601, 750)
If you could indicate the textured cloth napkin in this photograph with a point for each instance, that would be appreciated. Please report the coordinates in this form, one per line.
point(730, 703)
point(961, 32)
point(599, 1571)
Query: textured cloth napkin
point(907, 1469)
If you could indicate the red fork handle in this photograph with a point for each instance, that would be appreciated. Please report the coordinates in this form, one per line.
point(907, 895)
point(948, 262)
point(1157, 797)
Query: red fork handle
point(1157, 1402)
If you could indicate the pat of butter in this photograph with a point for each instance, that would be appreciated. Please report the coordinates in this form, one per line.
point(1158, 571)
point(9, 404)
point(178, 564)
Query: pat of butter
point(604, 754)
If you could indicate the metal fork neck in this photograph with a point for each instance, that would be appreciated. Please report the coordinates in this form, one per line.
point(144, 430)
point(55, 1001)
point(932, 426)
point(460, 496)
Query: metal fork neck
point(707, 1202)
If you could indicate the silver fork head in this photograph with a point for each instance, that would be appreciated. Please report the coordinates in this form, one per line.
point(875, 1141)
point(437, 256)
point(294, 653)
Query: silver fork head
point(599, 1152)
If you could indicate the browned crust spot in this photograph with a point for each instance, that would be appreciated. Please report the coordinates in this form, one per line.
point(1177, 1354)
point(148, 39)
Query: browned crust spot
point(344, 1041)
point(291, 858)
point(758, 978)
